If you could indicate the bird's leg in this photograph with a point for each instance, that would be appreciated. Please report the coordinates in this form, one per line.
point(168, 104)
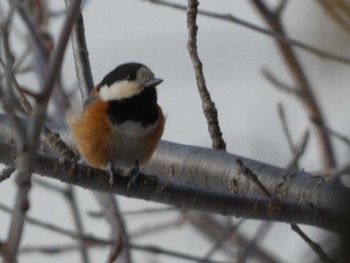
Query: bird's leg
point(133, 174)
point(82, 161)
point(111, 172)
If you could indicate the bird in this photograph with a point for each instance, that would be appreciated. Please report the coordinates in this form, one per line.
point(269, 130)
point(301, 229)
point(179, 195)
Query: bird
point(121, 124)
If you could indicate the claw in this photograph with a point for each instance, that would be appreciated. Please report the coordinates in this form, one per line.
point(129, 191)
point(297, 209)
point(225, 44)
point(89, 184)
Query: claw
point(111, 173)
point(133, 174)
point(81, 161)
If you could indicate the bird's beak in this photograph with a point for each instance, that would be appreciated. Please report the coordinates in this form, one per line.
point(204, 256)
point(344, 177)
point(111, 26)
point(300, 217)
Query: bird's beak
point(153, 82)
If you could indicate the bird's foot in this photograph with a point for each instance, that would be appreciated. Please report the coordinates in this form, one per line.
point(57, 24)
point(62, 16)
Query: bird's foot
point(111, 172)
point(133, 174)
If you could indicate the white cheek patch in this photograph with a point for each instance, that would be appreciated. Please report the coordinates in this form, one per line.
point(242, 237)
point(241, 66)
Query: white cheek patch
point(119, 90)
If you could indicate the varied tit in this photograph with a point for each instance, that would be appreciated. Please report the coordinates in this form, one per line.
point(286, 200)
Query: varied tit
point(122, 125)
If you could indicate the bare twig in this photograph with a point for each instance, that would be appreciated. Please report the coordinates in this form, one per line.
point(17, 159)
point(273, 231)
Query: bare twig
point(58, 229)
point(39, 42)
point(219, 242)
point(106, 201)
point(149, 249)
point(158, 227)
point(208, 105)
point(315, 247)
point(297, 72)
point(281, 7)
point(179, 255)
point(117, 225)
point(254, 244)
point(21, 203)
point(26, 160)
point(280, 85)
point(232, 19)
point(297, 151)
point(209, 108)
point(242, 169)
point(149, 211)
point(12, 79)
point(50, 137)
point(88, 241)
point(339, 11)
point(332, 132)
point(42, 45)
point(97, 214)
point(216, 230)
point(69, 194)
point(81, 58)
point(285, 127)
point(71, 198)
point(9, 99)
point(334, 173)
point(284, 43)
point(116, 249)
point(49, 186)
point(55, 249)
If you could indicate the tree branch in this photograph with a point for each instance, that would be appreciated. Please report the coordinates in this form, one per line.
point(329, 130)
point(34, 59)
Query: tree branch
point(118, 228)
point(233, 19)
point(208, 180)
point(315, 247)
point(285, 43)
point(71, 198)
point(208, 105)
point(26, 160)
point(298, 74)
point(107, 201)
point(215, 230)
point(81, 57)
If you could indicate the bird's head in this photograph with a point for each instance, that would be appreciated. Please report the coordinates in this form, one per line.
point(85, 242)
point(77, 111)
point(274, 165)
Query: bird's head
point(126, 81)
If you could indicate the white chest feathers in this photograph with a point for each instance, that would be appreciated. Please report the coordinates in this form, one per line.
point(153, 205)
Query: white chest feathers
point(134, 129)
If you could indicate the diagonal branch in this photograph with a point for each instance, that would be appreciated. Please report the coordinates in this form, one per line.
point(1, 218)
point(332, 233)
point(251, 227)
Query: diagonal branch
point(298, 74)
point(71, 198)
point(315, 247)
point(118, 228)
point(233, 19)
point(26, 161)
point(107, 201)
point(81, 57)
point(238, 240)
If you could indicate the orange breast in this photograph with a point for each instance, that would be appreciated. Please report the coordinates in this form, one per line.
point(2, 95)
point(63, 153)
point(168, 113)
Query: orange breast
point(92, 134)
point(99, 142)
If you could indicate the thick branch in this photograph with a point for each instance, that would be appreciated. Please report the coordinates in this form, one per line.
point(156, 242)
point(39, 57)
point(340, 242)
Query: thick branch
point(306, 199)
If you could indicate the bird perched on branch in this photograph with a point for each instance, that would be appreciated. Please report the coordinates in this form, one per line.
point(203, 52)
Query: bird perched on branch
point(122, 125)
